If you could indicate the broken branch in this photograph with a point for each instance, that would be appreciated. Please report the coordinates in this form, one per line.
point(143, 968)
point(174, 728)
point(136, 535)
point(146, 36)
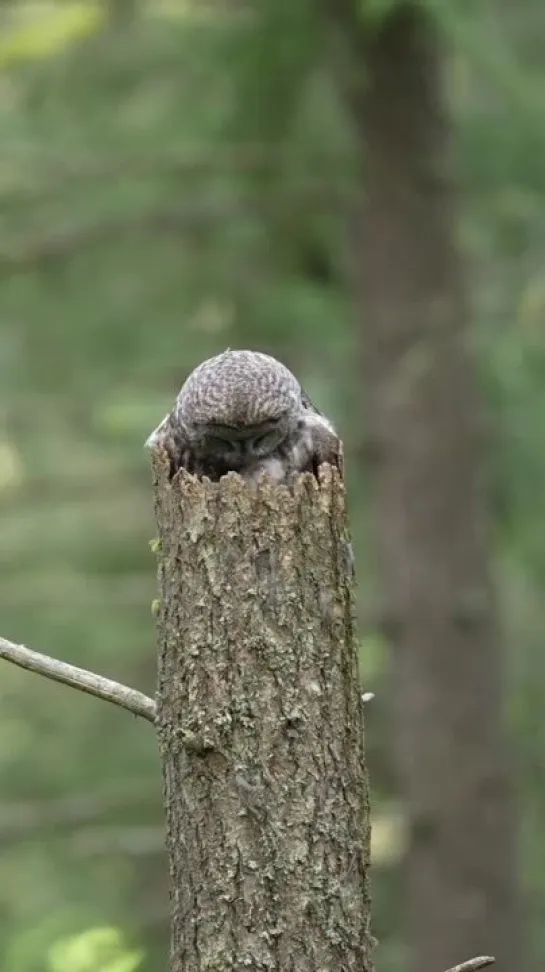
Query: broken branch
point(480, 962)
point(78, 678)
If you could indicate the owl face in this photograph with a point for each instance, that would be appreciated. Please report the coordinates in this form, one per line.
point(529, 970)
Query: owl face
point(239, 447)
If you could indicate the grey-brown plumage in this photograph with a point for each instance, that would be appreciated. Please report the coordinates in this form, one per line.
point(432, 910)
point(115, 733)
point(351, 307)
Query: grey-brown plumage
point(245, 412)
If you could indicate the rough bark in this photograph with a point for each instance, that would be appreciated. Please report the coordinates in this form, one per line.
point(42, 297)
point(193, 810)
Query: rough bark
point(422, 421)
point(260, 727)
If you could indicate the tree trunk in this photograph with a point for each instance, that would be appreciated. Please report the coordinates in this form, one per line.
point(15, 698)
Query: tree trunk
point(260, 727)
point(422, 422)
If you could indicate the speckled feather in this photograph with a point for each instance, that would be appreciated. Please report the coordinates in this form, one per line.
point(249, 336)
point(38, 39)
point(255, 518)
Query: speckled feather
point(242, 390)
point(238, 388)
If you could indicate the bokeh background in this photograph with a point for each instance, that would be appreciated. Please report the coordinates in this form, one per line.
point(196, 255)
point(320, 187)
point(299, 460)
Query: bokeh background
point(175, 178)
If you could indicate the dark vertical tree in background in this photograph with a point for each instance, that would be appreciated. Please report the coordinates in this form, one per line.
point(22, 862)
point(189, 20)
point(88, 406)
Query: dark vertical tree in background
point(422, 425)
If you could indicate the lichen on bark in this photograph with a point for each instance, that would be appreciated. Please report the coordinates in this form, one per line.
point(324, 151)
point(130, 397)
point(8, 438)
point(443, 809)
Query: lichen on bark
point(260, 726)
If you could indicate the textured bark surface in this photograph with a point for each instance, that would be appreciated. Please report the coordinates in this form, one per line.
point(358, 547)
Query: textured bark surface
point(423, 418)
point(260, 727)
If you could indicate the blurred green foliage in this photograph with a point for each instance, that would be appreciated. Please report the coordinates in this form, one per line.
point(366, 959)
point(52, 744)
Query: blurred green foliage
point(97, 950)
point(174, 179)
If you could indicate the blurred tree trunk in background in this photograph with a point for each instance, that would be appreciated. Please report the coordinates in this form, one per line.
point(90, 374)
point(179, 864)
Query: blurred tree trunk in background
point(422, 427)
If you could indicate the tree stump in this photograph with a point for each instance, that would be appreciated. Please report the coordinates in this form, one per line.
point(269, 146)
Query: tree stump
point(260, 726)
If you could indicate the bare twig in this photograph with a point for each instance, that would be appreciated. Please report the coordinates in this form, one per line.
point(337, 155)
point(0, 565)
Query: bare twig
point(62, 171)
point(194, 216)
point(136, 841)
point(480, 962)
point(22, 820)
point(54, 247)
point(127, 698)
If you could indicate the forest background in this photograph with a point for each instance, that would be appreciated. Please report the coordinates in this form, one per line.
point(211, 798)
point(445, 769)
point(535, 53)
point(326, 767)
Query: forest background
point(176, 178)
